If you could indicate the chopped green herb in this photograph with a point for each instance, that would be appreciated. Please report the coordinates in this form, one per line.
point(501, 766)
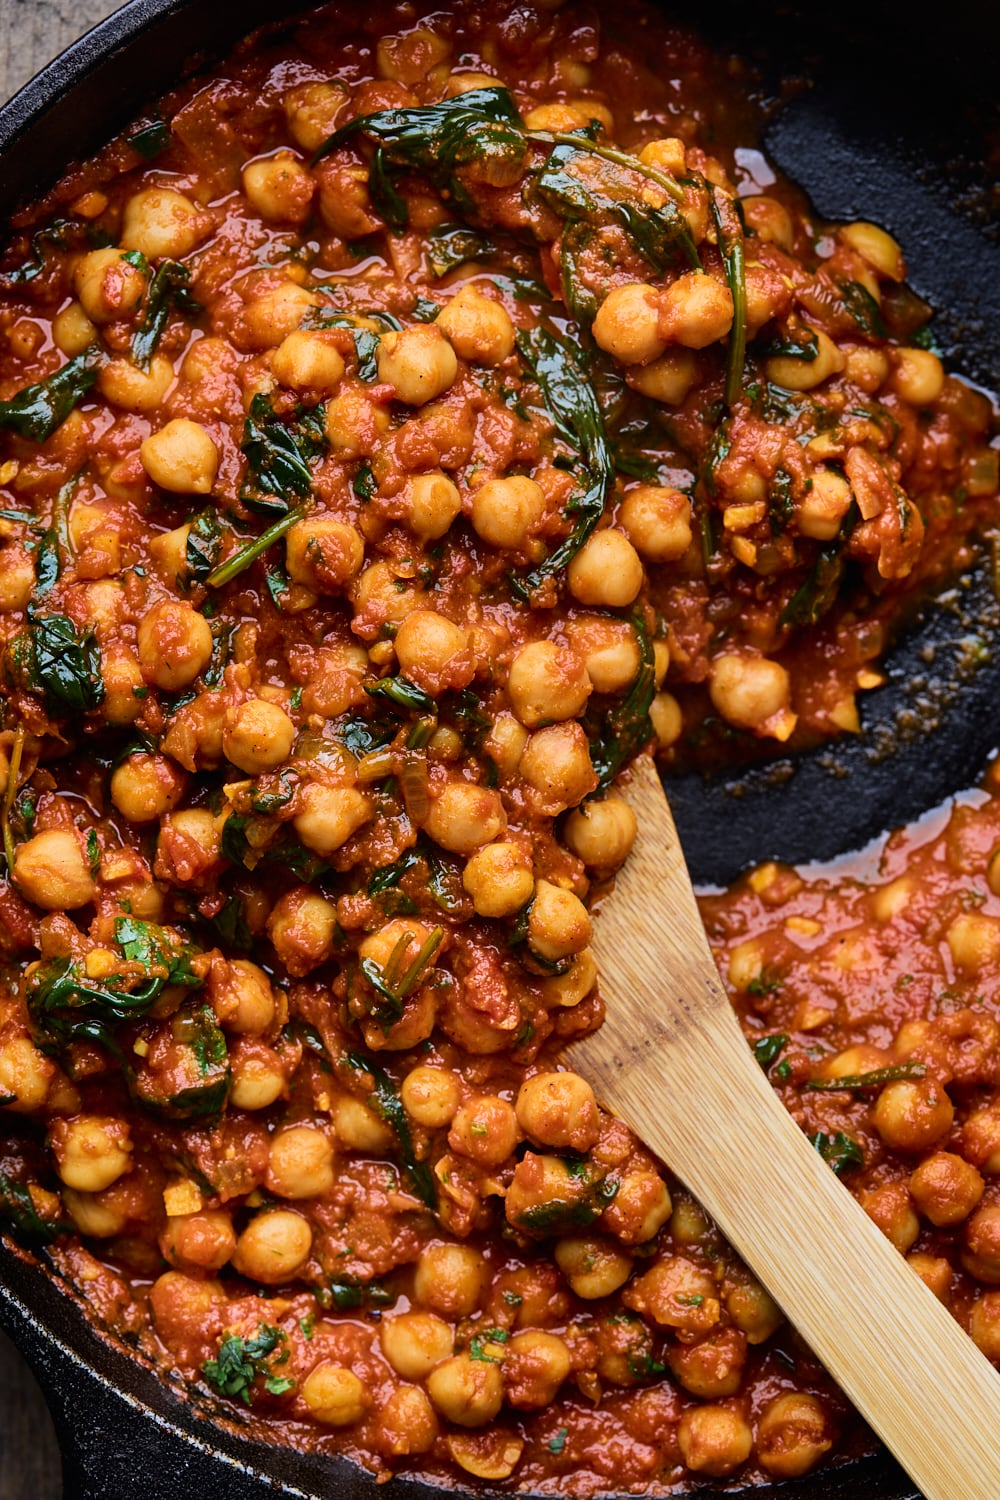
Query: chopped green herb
point(769, 1048)
point(18, 1209)
point(169, 289)
point(873, 1080)
point(248, 554)
point(451, 245)
point(863, 308)
point(150, 140)
point(841, 1152)
point(240, 1361)
point(403, 693)
point(558, 1442)
point(364, 484)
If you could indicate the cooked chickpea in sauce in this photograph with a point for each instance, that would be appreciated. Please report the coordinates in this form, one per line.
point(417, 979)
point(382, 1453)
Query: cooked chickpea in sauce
point(402, 427)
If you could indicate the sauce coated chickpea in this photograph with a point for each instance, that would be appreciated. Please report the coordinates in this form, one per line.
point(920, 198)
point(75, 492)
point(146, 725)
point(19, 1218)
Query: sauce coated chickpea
point(160, 222)
point(477, 328)
point(464, 817)
point(53, 871)
point(627, 324)
point(469, 1392)
point(430, 1095)
point(602, 833)
point(504, 511)
point(334, 1395)
point(606, 571)
point(414, 1342)
point(418, 363)
point(175, 645)
point(499, 878)
point(657, 521)
point(300, 1163)
point(547, 682)
point(450, 1279)
point(257, 736)
point(558, 1109)
point(107, 285)
point(273, 1246)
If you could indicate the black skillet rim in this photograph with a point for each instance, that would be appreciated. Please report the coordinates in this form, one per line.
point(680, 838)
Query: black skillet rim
point(93, 1385)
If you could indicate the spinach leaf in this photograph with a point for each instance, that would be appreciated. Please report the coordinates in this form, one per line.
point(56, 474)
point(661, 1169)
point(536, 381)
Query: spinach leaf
point(278, 456)
point(346, 1293)
point(451, 245)
point(158, 950)
point(149, 140)
point(802, 344)
point(204, 544)
point(558, 1216)
point(240, 1361)
point(863, 308)
point(170, 288)
point(203, 1060)
point(482, 126)
point(392, 983)
point(729, 229)
point(769, 1048)
point(873, 1080)
point(18, 1209)
point(404, 694)
point(386, 1100)
point(660, 235)
point(37, 410)
point(841, 1152)
point(573, 406)
point(63, 664)
point(780, 501)
point(817, 594)
point(59, 233)
point(626, 727)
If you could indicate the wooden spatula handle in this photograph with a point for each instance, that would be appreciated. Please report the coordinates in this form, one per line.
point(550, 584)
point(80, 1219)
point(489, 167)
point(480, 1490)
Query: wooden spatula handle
point(673, 1062)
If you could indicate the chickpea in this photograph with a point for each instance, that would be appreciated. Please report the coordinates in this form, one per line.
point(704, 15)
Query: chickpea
point(982, 1241)
point(627, 324)
point(981, 1139)
point(257, 1078)
point(667, 719)
point(695, 310)
point(258, 736)
point(504, 511)
point(124, 384)
point(984, 1325)
point(606, 571)
point(450, 1279)
point(912, 1114)
point(202, 1241)
point(877, 247)
point(793, 1434)
point(546, 683)
point(714, 1440)
point(602, 833)
point(484, 1129)
point(464, 816)
point(243, 998)
point(946, 1188)
point(280, 188)
point(311, 111)
point(107, 285)
point(300, 1163)
point(52, 871)
point(270, 317)
point(667, 155)
point(25, 1075)
point(866, 367)
point(575, 984)
point(478, 329)
point(557, 764)
point(419, 363)
point(91, 1151)
point(753, 1310)
point(354, 423)
point(770, 220)
point(17, 578)
point(406, 1422)
point(175, 645)
point(805, 374)
point(918, 376)
point(144, 787)
point(430, 1096)
point(334, 1395)
point(934, 1271)
point(558, 923)
point(358, 1127)
point(72, 330)
point(160, 222)
point(414, 1342)
point(824, 507)
point(432, 503)
point(505, 743)
point(891, 1208)
point(189, 845)
point(749, 691)
point(558, 1109)
point(640, 1208)
point(328, 816)
point(499, 878)
point(308, 362)
point(323, 554)
point(302, 926)
point(713, 1366)
point(593, 1265)
point(555, 117)
point(93, 1216)
point(273, 1247)
point(469, 1392)
point(668, 379)
point(433, 652)
point(534, 1367)
point(657, 521)
point(181, 458)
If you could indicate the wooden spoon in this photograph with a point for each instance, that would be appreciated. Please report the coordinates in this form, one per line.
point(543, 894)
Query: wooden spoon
point(671, 1060)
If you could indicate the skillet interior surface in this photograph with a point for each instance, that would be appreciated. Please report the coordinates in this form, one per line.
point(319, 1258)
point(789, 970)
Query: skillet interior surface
point(861, 145)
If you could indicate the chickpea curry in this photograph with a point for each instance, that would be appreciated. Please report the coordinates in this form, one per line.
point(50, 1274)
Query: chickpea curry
point(401, 428)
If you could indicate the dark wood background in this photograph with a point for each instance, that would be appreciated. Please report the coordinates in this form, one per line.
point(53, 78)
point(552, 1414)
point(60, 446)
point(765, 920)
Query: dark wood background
point(32, 32)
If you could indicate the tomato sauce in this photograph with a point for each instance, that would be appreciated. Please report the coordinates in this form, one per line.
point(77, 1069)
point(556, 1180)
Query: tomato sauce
point(404, 426)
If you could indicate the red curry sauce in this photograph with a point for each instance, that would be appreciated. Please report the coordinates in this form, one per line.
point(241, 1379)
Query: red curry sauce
point(372, 492)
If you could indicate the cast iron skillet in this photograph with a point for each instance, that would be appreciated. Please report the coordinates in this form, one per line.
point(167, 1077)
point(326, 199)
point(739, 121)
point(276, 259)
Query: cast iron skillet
point(887, 130)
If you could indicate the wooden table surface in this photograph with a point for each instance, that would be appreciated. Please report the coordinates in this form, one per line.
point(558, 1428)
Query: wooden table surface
point(32, 32)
